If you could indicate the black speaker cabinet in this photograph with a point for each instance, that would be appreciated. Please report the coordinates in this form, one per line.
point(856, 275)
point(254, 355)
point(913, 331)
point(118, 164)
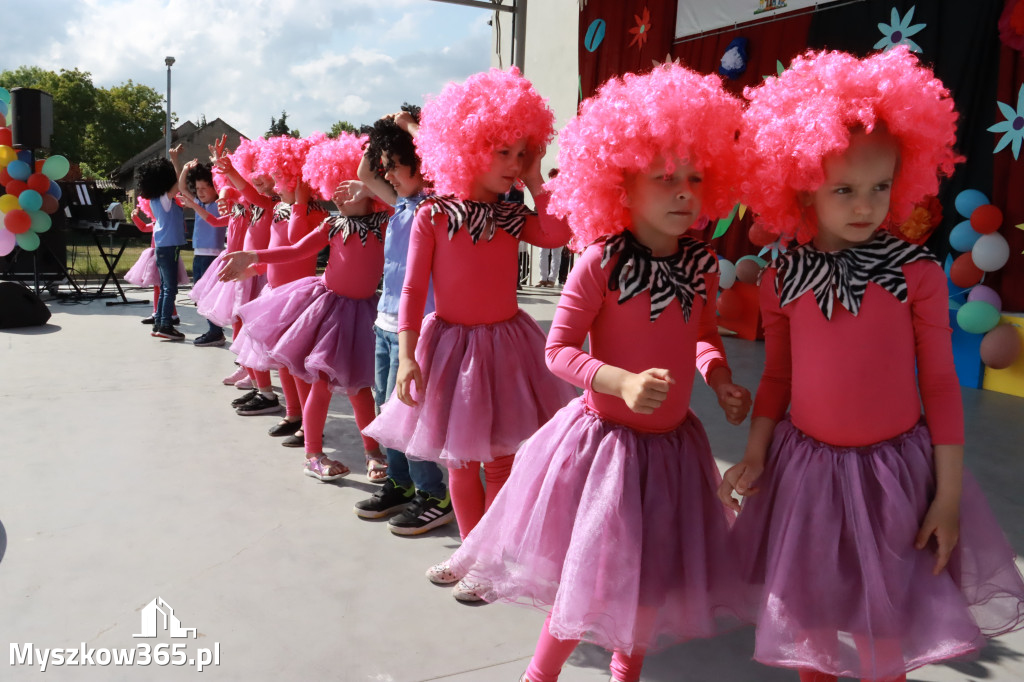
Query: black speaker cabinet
point(19, 307)
point(32, 118)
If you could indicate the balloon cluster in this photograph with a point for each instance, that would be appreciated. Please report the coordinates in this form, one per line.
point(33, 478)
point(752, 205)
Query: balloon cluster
point(746, 270)
point(983, 250)
point(31, 194)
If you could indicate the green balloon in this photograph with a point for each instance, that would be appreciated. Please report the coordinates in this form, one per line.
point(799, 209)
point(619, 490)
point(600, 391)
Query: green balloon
point(56, 167)
point(29, 241)
point(40, 222)
point(977, 317)
point(5, 96)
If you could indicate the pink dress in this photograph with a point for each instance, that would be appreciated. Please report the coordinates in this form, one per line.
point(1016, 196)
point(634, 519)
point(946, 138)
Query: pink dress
point(851, 339)
point(215, 300)
point(486, 387)
point(610, 518)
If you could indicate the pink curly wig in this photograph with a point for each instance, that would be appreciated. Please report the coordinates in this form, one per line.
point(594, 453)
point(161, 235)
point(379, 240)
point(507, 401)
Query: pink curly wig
point(671, 112)
point(283, 156)
point(462, 127)
point(245, 155)
point(797, 119)
point(330, 162)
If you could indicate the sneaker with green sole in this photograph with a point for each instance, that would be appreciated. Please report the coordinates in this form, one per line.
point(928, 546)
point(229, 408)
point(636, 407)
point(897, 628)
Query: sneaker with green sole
point(390, 499)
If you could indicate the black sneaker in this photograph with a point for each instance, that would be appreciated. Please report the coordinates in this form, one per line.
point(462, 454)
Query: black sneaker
point(175, 320)
point(261, 404)
point(148, 320)
point(422, 514)
point(244, 398)
point(210, 338)
point(284, 428)
point(390, 499)
point(296, 440)
point(167, 332)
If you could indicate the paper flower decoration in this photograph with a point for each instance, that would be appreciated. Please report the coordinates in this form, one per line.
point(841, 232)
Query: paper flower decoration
point(1013, 127)
point(921, 223)
point(640, 31)
point(1011, 25)
point(734, 61)
point(898, 31)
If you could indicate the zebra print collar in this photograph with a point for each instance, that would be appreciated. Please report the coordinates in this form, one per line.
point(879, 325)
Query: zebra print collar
point(363, 225)
point(283, 211)
point(679, 276)
point(238, 211)
point(844, 275)
point(480, 218)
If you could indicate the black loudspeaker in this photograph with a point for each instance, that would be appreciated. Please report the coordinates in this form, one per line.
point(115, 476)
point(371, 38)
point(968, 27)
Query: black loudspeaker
point(19, 307)
point(32, 118)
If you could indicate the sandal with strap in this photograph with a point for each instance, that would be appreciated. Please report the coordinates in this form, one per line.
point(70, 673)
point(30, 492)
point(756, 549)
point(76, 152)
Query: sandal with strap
point(325, 469)
point(376, 467)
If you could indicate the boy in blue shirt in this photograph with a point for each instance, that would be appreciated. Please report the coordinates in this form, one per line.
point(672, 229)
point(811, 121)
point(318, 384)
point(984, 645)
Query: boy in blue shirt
point(158, 182)
point(208, 234)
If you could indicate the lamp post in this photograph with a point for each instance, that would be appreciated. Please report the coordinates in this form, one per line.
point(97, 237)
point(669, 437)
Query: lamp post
point(167, 146)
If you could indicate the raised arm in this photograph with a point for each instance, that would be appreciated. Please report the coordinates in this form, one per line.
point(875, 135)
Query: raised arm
point(376, 184)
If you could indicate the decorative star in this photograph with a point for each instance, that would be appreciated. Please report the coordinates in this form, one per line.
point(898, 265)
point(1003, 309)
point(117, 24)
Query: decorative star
point(1013, 127)
point(643, 26)
point(668, 60)
point(775, 248)
point(898, 31)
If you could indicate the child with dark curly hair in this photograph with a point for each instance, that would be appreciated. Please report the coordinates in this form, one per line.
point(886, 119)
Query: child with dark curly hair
point(158, 182)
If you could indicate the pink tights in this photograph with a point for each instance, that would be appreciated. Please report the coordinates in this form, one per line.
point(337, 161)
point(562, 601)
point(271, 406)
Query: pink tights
point(815, 676)
point(469, 497)
point(314, 415)
point(552, 653)
point(294, 393)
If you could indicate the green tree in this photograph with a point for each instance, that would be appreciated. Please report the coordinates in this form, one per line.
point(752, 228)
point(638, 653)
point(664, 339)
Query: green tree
point(74, 104)
point(129, 117)
point(342, 127)
point(279, 126)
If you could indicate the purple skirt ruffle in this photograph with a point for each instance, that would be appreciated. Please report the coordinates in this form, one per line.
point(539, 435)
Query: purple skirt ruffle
point(830, 543)
point(144, 273)
point(219, 301)
point(486, 391)
point(313, 332)
point(620, 533)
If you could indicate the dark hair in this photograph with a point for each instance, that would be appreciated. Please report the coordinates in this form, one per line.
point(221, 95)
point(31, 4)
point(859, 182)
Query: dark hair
point(201, 171)
point(155, 178)
point(385, 137)
point(553, 173)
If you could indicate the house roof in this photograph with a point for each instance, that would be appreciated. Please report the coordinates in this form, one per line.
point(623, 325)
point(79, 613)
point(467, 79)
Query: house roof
point(194, 140)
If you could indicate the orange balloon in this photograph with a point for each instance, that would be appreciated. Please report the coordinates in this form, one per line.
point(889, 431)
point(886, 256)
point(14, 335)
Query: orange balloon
point(964, 273)
point(759, 236)
point(986, 219)
point(1001, 347)
point(39, 165)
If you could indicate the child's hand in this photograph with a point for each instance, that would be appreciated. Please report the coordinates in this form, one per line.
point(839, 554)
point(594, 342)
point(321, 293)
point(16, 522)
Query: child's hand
point(531, 165)
point(224, 163)
point(408, 373)
point(739, 479)
point(175, 152)
point(406, 122)
point(646, 391)
point(217, 148)
point(734, 400)
point(350, 190)
point(301, 192)
point(942, 521)
point(237, 266)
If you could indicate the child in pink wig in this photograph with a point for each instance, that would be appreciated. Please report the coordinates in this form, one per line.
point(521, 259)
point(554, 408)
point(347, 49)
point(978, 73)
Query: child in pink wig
point(474, 386)
point(325, 336)
point(610, 519)
point(144, 273)
point(854, 500)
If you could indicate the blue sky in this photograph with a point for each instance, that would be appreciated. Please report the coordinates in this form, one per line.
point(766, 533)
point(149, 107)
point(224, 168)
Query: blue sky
point(246, 60)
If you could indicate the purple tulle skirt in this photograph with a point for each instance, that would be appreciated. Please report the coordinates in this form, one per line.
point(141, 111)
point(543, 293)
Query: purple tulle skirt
point(830, 542)
point(251, 352)
point(145, 274)
point(486, 391)
point(620, 533)
point(314, 333)
point(219, 301)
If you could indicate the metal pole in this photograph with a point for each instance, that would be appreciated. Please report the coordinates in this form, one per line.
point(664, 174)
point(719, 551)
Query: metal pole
point(479, 4)
point(167, 145)
point(519, 59)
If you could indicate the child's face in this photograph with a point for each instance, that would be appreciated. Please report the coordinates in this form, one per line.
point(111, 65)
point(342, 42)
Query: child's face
point(263, 184)
point(205, 191)
point(401, 177)
point(664, 203)
point(287, 196)
point(506, 166)
point(854, 199)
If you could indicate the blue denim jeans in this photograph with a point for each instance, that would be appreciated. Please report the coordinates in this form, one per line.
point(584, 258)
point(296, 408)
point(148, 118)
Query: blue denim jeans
point(426, 476)
point(200, 264)
point(167, 266)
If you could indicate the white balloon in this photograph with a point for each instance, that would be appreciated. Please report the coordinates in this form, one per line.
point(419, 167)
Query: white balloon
point(727, 276)
point(990, 252)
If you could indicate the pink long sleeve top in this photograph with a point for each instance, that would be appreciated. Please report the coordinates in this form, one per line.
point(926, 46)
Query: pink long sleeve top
point(850, 380)
point(237, 221)
point(291, 224)
point(622, 334)
point(474, 281)
point(356, 262)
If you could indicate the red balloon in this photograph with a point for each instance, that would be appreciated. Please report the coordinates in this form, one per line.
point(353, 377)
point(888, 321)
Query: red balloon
point(39, 165)
point(964, 273)
point(51, 204)
point(16, 187)
point(3, 121)
point(730, 305)
point(5, 177)
point(39, 183)
point(760, 237)
point(986, 219)
point(18, 221)
point(6, 137)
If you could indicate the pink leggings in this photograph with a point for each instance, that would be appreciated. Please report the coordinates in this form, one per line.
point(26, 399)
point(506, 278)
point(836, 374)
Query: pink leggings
point(469, 497)
point(815, 676)
point(552, 653)
point(295, 392)
point(257, 378)
point(314, 415)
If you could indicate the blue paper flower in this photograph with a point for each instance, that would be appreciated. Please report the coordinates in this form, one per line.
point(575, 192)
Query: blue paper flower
point(898, 31)
point(734, 61)
point(1013, 127)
